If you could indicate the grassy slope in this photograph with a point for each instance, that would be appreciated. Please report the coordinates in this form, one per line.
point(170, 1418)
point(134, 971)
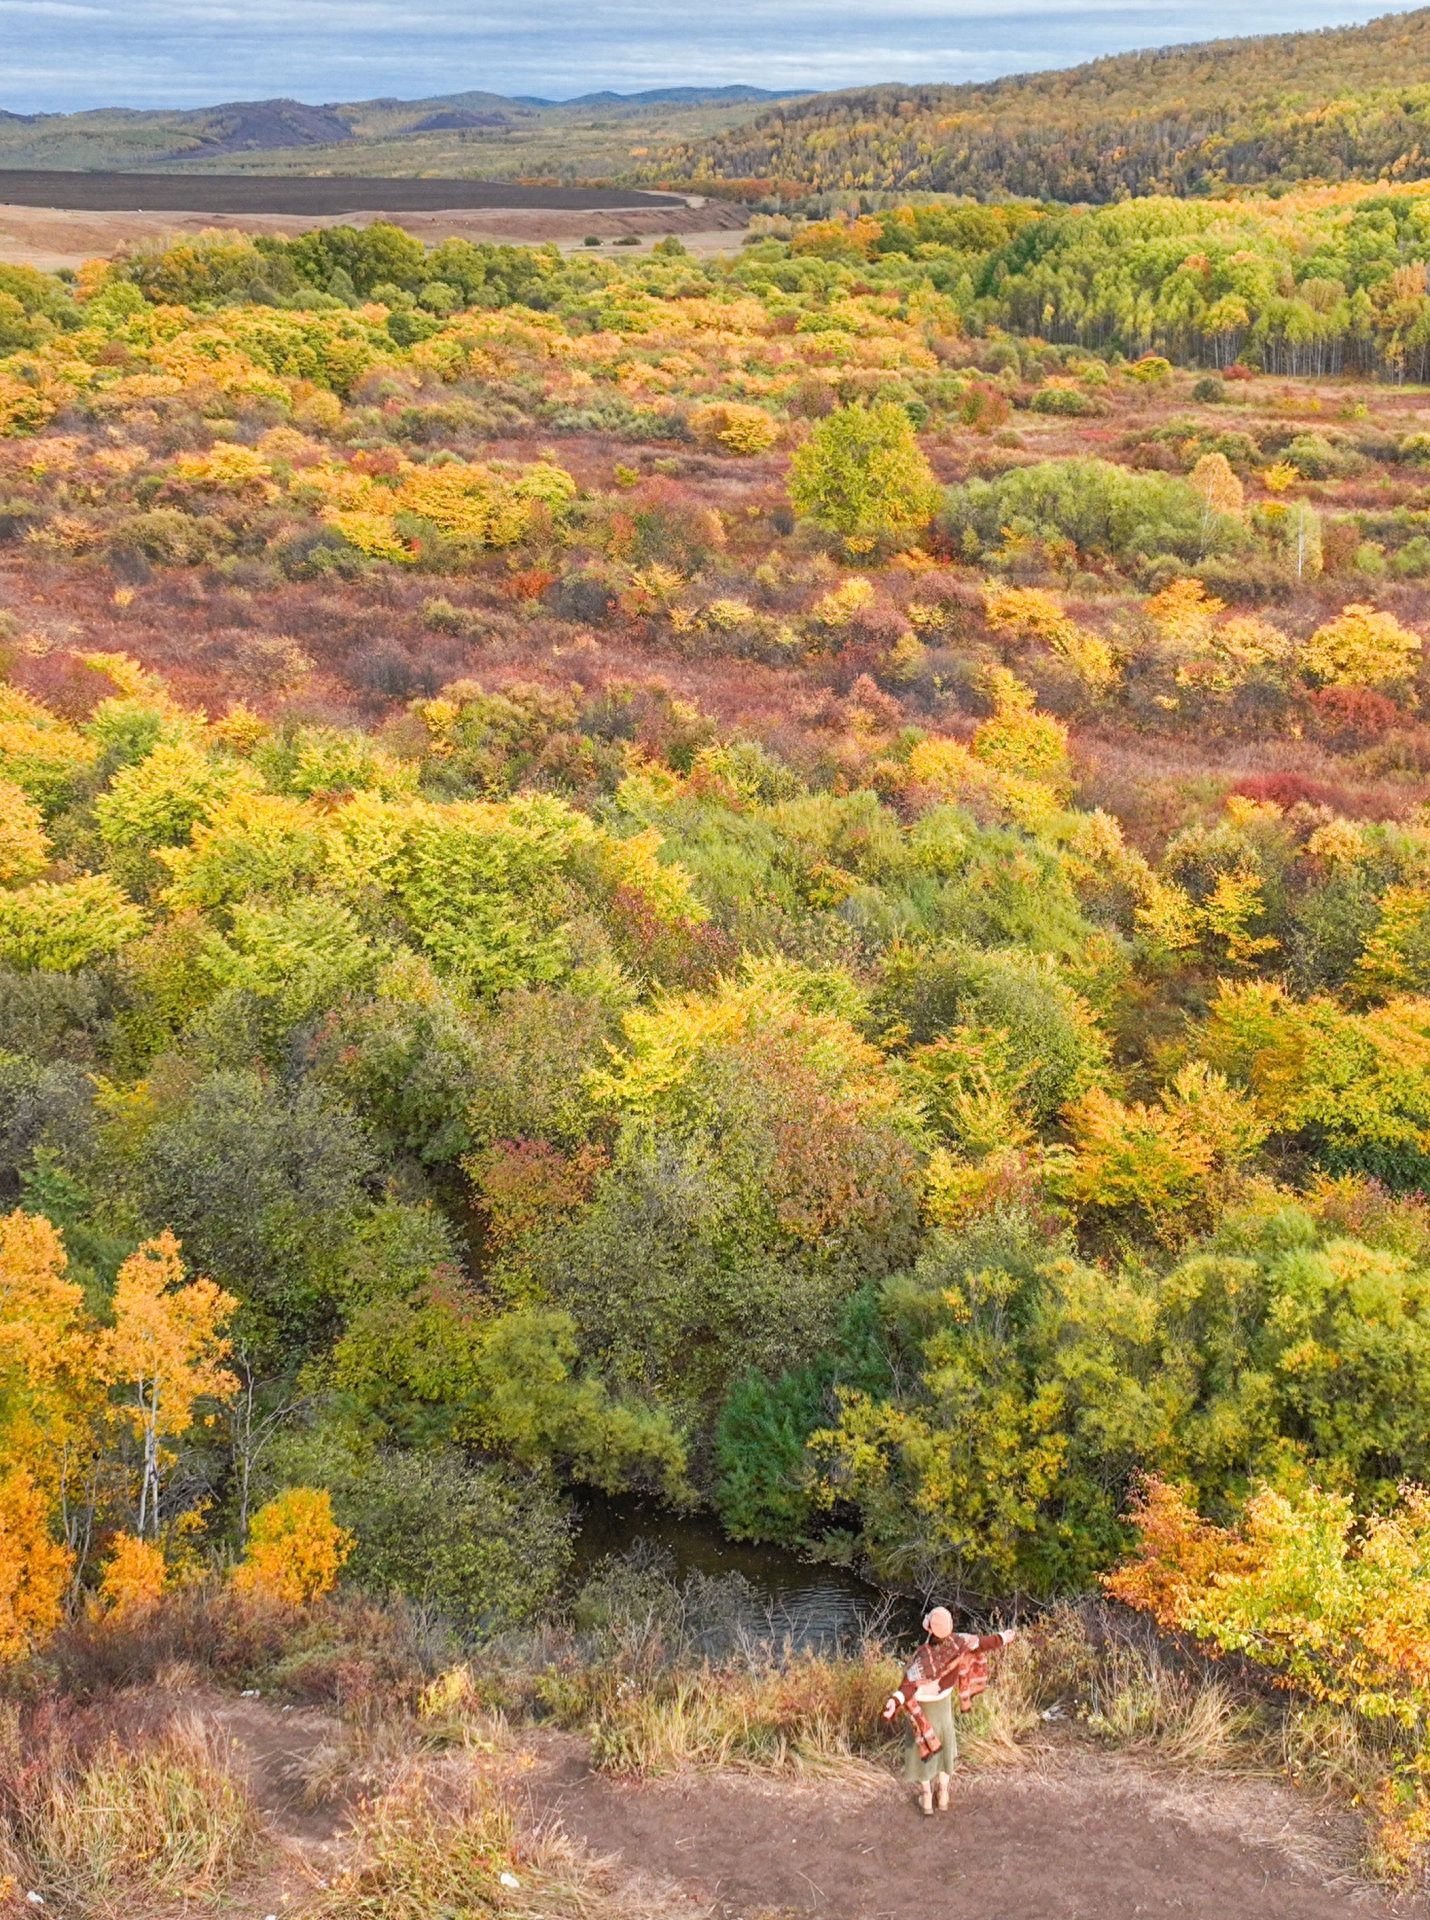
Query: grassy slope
point(1345, 103)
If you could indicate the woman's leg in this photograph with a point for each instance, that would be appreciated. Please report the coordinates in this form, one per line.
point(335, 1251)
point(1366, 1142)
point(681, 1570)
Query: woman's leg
point(926, 1796)
point(941, 1792)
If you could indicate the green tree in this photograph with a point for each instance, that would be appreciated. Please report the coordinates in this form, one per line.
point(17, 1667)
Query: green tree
point(863, 475)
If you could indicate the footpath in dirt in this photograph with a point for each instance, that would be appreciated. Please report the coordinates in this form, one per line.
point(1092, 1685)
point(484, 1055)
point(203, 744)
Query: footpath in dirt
point(1077, 1840)
point(1077, 1836)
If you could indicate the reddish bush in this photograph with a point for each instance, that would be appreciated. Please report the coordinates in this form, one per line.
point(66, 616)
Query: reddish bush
point(1352, 716)
point(63, 683)
point(1289, 790)
point(984, 407)
point(524, 1183)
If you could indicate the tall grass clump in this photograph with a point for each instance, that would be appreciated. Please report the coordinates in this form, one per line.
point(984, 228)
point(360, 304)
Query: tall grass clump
point(434, 1846)
point(104, 1823)
point(805, 1714)
point(1135, 1689)
point(349, 1651)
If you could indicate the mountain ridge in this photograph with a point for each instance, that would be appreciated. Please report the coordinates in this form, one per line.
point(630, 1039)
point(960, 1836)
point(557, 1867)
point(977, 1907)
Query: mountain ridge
point(283, 123)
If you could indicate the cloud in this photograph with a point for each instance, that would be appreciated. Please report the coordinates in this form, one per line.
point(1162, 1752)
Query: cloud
point(64, 54)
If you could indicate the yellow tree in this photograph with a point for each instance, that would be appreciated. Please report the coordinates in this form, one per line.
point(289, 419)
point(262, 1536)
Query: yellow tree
point(52, 1387)
point(43, 1347)
point(1362, 647)
point(34, 1567)
point(1184, 613)
point(165, 1352)
point(296, 1548)
point(24, 844)
point(1018, 739)
point(1029, 613)
point(863, 475)
point(1214, 479)
point(134, 1579)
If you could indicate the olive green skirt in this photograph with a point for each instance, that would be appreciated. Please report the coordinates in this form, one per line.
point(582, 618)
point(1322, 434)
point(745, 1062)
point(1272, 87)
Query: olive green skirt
point(940, 1718)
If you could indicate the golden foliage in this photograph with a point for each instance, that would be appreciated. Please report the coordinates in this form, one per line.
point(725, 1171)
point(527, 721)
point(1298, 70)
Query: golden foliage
point(1170, 1163)
point(164, 1352)
point(296, 1549)
point(34, 1567)
point(134, 1578)
point(1337, 1605)
point(24, 844)
point(1362, 648)
point(732, 428)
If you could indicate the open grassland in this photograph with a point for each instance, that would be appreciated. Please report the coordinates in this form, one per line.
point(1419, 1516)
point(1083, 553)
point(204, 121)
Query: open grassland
point(311, 195)
point(1330, 106)
point(475, 136)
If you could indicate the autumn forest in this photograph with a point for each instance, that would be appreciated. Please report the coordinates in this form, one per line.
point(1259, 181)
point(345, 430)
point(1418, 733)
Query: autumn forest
point(793, 882)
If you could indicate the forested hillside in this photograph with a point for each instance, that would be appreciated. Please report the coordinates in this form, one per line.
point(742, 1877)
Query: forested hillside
point(1349, 103)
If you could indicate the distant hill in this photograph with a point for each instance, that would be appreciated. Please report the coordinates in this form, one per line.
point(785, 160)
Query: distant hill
point(672, 97)
point(1347, 103)
point(396, 135)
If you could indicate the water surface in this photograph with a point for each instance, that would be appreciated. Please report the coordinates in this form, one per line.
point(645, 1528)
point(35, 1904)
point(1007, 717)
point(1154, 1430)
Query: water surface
point(805, 1604)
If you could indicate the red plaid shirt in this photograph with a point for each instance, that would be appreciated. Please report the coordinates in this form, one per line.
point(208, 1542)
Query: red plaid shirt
point(956, 1665)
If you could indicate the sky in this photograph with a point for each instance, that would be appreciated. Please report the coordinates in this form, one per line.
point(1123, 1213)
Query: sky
point(60, 55)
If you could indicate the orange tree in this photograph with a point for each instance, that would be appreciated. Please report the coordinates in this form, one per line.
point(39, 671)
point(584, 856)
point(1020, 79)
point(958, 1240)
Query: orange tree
point(1335, 1605)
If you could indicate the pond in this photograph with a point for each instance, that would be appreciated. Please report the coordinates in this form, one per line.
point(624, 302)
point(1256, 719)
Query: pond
point(806, 1604)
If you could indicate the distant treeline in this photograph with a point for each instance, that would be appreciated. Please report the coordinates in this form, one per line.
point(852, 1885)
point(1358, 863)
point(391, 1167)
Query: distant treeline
point(1307, 284)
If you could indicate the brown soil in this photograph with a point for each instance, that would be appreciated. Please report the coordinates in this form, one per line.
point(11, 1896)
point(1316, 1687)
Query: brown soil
point(1077, 1840)
point(50, 237)
point(1077, 1836)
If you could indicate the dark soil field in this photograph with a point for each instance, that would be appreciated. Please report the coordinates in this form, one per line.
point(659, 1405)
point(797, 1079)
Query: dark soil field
point(320, 196)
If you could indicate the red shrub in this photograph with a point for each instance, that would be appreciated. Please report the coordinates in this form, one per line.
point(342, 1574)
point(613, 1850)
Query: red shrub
point(1353, 715)
point(1295, 789)
point(63, 682)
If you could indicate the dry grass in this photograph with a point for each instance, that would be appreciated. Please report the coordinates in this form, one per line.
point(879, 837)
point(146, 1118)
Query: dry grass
point(110, 1818)
point(350, 1652)
point(437, 1845)
point(369, 1757)
point(105, 1825)
point(1127, 1686)
point(806, 1715)
point(1083, 1672)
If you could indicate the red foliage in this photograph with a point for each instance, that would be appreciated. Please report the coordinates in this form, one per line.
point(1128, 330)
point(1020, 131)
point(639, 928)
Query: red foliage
point(530, 584)
point(1296, 789)
point(1354, 715)
point(676, 953)
point(524, 1183)
point(63, 682)
point(984, 406)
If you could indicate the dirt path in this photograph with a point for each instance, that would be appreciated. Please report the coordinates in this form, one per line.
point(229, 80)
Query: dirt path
point(1079, 1836)
point(1076, 1841)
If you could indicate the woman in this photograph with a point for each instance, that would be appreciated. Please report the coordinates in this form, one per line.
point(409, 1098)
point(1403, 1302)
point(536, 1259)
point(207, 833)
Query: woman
point(941, 1671)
